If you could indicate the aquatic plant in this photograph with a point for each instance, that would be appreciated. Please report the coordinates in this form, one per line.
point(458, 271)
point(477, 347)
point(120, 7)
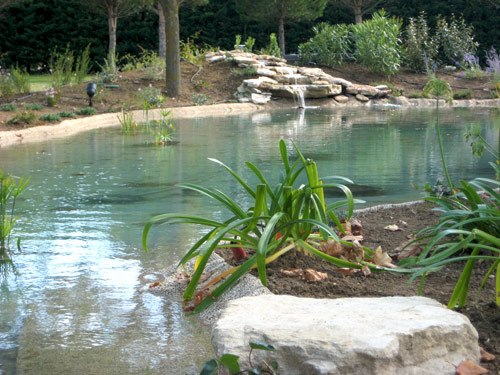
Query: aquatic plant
point(281, 218)
point(127, 122)
point(469, 225)
point(9, 191)
point(164, 129)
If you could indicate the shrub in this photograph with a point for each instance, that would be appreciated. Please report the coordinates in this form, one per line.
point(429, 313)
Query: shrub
point(7, 87)
point(50, 117)
point(455, 39)
point(109, 70)
point(25, 117)
point(150, 95)
point(66, 114)
point(8, 107)
point(61, 67)
point(420, 47)
point(88, 111)
point(82, 67)
point(330, 45)
point(272, 48)
point(193, 53)
point(248, 71)
point(462, 94)
point(20, 79)
point(378, 43)
point(33, 107)
point(200, 99)
point(249, 43)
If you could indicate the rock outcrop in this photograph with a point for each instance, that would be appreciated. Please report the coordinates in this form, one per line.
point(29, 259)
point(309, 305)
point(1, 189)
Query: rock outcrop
point(277, 79)
point(377, 336)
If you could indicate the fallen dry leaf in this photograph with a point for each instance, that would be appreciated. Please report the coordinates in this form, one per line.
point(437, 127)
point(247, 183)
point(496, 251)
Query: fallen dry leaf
point(346, 271)
point(392, 228)
point(351, 238)
point(365, 270)
point(183, 278)
point(359, 252)
point(382, 258)
point(347, 227)
point(332, 248)
point(155, 284)
point(485, 356)
point(411, 251)
point(294, 272)
point(313, 276)
point(356, 227)
point(470, 368)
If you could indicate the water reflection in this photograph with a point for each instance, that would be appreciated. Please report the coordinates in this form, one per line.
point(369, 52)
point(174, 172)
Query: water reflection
point(78, 305)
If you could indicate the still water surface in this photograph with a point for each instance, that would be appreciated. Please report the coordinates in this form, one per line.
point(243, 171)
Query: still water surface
point(79, 303)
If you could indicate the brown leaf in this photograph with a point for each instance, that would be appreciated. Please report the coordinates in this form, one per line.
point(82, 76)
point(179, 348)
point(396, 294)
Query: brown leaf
point(347, 227)
point(332, 248)
point(313, 276)
point(294, 272)
point(358, 251)
point(365, 270)
point(470, 368)
point(201, 295)
point(352, 238)
point(392, 228)
point(182, 277)
point(485, 356)
point(410, 251)
point(155, 284)
point(356, 227)
point(382, 258)
point(346, 271)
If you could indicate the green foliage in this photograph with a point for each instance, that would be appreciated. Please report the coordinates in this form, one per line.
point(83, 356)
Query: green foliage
point(148, 62)
point(200, 99)
point(237, 41)
point(66, 114)
point(164, 129)
point(50, 117)
point(150, 95)
point(456, 40)
point(9, 191)
point(193, 53)
point(82, 67)
point(421, 48)
point(127, 122)
point(330, 46)
point(378, 43)
point(20, 79)
point(8, 107)
point(33, 107)
point(109, 71)
point(230, 362)
point(248, 71)
point(281, 218)
point(88, 111)
point(462, 94)
point(7, 89)
point(249, 43)
point(61, 67)
point(25, 117)
point(272, 48)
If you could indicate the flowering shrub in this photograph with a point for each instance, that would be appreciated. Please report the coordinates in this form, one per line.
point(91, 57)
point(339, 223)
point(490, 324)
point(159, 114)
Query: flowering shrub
point(52, 97)
point(421, 47)
point(456, 40)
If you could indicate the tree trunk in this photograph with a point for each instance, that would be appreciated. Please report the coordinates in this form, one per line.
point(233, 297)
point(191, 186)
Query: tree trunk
point(161, 31)
point(358, 15)
point(112, 24)
point(172, 59)
point(281, 34)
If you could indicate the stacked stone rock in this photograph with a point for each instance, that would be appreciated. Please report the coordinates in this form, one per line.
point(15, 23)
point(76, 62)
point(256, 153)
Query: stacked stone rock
point(278, 79)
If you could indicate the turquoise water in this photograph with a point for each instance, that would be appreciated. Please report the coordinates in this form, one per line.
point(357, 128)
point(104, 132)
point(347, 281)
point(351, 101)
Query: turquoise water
point(78, 304)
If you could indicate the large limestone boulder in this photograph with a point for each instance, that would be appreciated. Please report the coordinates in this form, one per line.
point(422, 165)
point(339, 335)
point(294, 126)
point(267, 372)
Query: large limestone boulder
point(312, 91)
point(372, 336)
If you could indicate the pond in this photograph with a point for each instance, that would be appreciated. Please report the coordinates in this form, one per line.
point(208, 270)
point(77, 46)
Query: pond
point(80, 302)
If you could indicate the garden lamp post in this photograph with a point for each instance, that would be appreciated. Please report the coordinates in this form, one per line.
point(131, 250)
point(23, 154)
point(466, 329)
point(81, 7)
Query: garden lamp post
point(91, 89)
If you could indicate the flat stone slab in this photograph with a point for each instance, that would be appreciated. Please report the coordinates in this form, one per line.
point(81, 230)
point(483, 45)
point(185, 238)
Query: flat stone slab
point(375, 336)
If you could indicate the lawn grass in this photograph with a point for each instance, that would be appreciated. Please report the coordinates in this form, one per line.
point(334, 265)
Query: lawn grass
point(41, 82)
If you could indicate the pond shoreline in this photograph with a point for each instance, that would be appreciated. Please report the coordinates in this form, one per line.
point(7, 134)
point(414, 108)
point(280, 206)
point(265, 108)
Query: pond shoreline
point(72, 127)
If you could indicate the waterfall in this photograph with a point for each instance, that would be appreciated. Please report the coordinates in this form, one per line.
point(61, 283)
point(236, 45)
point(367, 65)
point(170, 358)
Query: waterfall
point(298, 94)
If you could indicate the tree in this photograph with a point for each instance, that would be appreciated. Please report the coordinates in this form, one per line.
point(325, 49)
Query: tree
point(359, 7)
point(162, 44)
point(114, 9)
point(172, 54)
point(280, 12)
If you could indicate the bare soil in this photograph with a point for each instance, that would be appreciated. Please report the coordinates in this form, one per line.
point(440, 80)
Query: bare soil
point(484, 314)
point(216, 83)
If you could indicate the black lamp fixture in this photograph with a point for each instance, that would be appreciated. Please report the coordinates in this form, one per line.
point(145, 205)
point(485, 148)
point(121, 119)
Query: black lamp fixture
point(91, 89)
